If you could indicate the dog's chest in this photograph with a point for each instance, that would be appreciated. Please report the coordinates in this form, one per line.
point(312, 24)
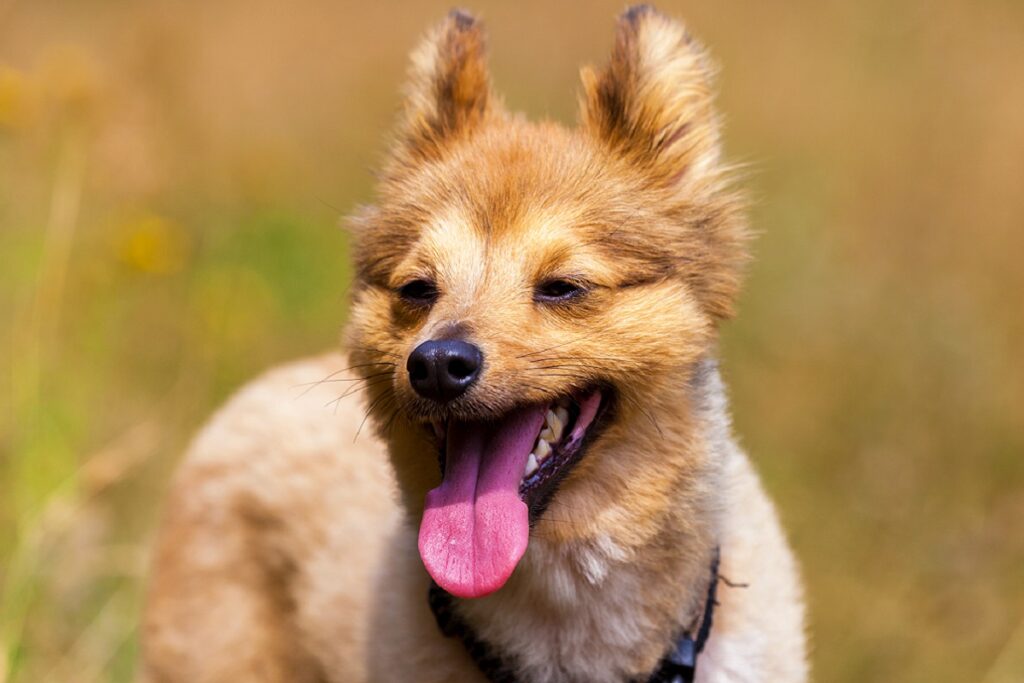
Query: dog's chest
point(571, 617)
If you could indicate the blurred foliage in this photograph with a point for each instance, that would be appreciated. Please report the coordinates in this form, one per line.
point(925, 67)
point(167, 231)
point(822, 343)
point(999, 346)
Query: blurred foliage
point(171, 178)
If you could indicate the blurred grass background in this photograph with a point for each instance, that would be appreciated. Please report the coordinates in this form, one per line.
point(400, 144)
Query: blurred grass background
point(172, 172)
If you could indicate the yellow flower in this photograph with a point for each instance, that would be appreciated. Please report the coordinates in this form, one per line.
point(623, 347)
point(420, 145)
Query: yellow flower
point(17, 98)
point(154, 244)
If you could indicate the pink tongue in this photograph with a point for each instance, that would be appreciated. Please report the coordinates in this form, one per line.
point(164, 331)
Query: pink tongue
point(475, 527)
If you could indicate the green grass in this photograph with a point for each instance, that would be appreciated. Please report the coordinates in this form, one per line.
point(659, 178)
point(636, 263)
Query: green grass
point(106, 399)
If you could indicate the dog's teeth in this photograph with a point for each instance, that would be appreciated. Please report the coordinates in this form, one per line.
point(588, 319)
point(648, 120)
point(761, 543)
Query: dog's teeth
point(531, 465)
point(542, 450)
point(555, 427)
point(556, 420)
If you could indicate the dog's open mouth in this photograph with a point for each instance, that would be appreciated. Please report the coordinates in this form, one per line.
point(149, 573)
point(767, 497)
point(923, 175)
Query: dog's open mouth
point(476, 524)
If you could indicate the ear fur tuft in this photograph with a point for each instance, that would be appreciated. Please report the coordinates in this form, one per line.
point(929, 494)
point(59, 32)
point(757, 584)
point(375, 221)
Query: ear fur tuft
point(448, 91)
point(653, 101)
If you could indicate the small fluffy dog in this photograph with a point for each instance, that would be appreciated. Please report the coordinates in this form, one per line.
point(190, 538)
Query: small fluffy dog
point(546, 488)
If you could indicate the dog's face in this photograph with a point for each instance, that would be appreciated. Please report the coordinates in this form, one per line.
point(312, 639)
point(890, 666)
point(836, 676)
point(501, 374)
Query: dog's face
point(530, 299)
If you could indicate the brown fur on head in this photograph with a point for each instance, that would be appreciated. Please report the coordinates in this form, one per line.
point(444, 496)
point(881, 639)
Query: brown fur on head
point(633, 206)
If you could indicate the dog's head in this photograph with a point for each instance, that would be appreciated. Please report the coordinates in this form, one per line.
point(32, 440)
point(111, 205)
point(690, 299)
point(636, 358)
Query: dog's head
point(531, 299)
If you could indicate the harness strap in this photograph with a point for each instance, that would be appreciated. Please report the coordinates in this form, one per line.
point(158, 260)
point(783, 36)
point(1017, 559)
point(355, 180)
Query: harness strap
point(680, 665)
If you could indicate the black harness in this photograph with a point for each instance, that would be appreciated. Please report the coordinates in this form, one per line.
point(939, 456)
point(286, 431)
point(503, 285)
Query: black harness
point(678, 666)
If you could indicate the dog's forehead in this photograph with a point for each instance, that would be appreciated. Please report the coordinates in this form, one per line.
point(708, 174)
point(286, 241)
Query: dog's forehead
point(501, 174)
point(465, 239)
point(538, 187)
point(536, 226)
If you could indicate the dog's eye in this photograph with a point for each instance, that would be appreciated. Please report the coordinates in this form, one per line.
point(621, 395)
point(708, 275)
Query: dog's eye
point(557, 291)
point(418, 292)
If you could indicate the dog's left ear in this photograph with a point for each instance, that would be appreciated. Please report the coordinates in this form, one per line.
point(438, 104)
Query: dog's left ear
point(652, 106)
point(448, 92)
point(652, 103)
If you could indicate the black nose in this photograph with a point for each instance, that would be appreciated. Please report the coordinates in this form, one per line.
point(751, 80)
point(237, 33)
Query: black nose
point(443, 370)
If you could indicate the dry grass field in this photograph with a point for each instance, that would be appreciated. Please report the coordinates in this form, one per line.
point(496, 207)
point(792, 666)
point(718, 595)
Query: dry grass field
point(171, 177)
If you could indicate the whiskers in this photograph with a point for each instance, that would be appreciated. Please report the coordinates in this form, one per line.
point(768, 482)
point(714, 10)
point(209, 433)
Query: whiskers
point(549, 348)
point(376, 351)
point(387, 400)
point(362, 384)
point(643, 411)
point(333, 377)
point(577, 367)
point(581, 369)
point(379, 376)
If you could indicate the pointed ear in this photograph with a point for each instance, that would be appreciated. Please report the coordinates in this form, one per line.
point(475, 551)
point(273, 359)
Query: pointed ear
point(448, 92)
point(653, 101)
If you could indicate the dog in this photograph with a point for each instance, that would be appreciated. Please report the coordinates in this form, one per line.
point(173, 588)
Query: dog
point(529, 473)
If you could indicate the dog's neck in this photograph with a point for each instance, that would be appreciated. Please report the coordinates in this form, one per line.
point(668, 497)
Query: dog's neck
point(588, 610)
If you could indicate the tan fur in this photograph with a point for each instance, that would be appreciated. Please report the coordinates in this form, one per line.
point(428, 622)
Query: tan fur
point(289, 549)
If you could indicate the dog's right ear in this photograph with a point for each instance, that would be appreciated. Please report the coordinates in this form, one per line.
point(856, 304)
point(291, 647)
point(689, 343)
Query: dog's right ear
point(448, 93)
